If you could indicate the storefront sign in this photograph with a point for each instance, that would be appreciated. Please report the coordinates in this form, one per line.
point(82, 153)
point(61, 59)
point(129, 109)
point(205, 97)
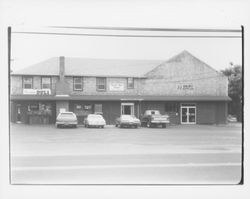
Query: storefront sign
point(185, 87)
point(116, 86)
point(37, 91)
point(87, 107)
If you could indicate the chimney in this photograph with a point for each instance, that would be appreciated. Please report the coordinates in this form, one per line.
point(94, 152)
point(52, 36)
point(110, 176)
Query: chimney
point(61, 67)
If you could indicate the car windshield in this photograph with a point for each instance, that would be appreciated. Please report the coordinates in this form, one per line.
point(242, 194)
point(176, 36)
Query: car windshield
point(95, 116)
point(152, 112)
point(127, 117)
point(66, 115)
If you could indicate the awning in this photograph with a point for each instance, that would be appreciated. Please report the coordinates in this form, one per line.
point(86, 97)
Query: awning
point(120, 98)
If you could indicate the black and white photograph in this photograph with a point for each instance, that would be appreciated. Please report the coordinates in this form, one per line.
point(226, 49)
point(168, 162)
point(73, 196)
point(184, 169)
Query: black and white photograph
point(80, 119)
point(123, 104)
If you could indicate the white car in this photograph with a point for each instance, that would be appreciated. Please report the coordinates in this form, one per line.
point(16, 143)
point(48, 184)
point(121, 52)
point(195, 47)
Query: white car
point(95, 120)
point(128, 121)
point(66, 119)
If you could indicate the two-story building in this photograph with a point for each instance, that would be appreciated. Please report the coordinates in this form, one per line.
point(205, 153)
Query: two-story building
point(189, 90)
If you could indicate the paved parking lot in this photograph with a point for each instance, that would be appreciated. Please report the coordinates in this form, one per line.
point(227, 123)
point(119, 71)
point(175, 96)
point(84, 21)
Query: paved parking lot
point(178, 154)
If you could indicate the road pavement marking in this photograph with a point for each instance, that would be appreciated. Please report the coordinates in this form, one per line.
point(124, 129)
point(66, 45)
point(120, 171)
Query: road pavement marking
point(125, 166)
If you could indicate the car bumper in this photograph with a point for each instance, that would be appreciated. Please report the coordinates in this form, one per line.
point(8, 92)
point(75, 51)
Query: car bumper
point(130, 124)
point(66, 123)
point(160, 122)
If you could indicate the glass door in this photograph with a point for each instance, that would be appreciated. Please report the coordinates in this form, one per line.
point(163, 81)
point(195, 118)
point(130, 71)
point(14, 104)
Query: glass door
point(127, 108)
point(188, 114)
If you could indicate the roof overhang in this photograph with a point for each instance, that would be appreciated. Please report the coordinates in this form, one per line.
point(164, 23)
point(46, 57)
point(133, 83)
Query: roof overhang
point(120, 98)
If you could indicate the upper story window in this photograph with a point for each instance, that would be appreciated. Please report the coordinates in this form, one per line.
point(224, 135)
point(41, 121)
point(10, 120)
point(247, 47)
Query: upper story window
point(46, 83)
point(27, 82)
point(77, 84)
point(100, 83)
point(130, 82)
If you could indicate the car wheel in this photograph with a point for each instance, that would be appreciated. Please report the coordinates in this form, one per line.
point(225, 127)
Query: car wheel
point(148, 125)
point(102, 127)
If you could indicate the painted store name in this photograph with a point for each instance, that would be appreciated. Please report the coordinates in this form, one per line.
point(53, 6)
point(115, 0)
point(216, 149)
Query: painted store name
point(185, 87)
point(37, 91)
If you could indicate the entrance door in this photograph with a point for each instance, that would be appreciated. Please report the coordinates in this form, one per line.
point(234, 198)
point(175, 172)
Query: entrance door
point(127, 108)
point(188, 114)
point(18, 118)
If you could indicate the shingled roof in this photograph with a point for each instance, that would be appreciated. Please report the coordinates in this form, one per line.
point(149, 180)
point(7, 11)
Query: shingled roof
point(182, 65)
point(91, 67)
point(172, 68)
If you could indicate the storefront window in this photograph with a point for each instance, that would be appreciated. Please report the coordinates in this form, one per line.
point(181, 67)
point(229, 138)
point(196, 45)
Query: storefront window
point(98, 108)
point(77, 83)
point(46, 83)
point(100, 83)
point(171, 107)
point(43, 109)
point(130, 82)
point(27, 82)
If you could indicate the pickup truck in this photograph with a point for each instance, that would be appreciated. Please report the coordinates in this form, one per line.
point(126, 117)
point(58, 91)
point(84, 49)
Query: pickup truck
point(154, 118)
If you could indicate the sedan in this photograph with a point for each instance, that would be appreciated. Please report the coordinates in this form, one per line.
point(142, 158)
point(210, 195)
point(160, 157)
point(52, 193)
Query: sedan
point(94, 120)
point(66, 119)
point(128, 121)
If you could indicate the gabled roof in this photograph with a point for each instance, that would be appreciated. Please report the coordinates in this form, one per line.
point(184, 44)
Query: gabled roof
point(91, 67)
point(47, 67)
point(183, 64)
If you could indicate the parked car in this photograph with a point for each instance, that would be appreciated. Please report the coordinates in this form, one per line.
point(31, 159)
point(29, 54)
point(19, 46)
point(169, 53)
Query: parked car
point(94, 120)
point(231, 118)
point(154, 118)
point(66, 119)
point(128, 121)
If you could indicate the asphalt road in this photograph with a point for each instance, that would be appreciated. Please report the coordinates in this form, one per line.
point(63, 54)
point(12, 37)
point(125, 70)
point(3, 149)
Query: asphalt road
point(176, 155)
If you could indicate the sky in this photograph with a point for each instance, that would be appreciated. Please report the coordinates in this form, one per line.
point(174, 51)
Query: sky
point(31, 49)
point(28, 49)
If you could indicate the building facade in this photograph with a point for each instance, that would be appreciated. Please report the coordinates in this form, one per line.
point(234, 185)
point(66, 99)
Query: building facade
point(184, 87)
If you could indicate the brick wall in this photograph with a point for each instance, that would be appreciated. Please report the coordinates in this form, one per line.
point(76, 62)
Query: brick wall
point(89, 87)
point(17, 87)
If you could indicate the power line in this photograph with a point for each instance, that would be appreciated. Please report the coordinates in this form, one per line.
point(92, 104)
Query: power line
point(119, 35)
point(149, 29)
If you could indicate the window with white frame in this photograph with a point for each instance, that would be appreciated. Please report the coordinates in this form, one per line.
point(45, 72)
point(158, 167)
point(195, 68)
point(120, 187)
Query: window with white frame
point(77, 83)
point(27, 82)
point(100, 83)
point(130, 82)
point(46, 83)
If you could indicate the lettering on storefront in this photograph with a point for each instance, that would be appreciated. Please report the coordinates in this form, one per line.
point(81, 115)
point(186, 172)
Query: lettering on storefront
point(116, 86)
point(36, 91)
point(185, 87)
point(87, 107)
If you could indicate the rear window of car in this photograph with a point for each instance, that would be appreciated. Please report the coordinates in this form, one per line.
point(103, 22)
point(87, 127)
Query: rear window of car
point(95, 116)
point(66, 115)
point(126, 117)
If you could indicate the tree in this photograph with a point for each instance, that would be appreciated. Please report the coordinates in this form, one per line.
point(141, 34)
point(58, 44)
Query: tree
point(234, 74)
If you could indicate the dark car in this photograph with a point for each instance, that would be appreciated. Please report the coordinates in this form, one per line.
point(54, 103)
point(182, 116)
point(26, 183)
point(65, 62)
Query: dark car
point(68, 119)
point(153, 118)
point(127, 121)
